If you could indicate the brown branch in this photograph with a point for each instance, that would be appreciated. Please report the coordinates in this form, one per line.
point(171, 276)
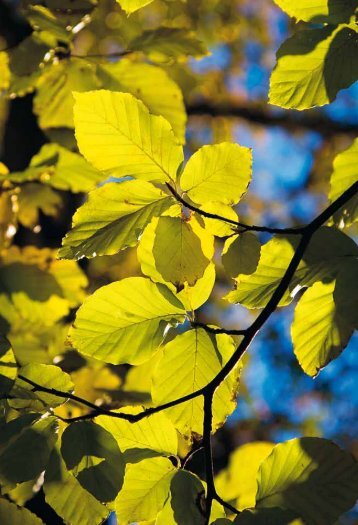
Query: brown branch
point(244, 227)
point(292, 121)
point(212, 330)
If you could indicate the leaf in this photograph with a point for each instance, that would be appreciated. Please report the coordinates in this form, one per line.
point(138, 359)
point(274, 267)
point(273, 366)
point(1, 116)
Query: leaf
point(93, 456)
point(167, 44)
point(175, 251)
point(124, 321)
point(345, 173)
point(313, 65)
point(241, 254)
point(68, 499)
point(26, 447)
point(116, 132)
point(11, 514)
point(8, 366)
point(326, 252)
point(5, 73)
point(48, 376)
point(113, 218)
point(325, 318)
point(217, 227)
point(34, 198)
point(237, 483)
point(59, 168)
point(53, 102)
point(43, 20)
point(152, 86)
point(145, 490)
point(311, 476)
point(133, 5)
point(185, 506)
point(152, 436)
point(222, 171)
point(319, 11)
point(274, 516)
point(189, 362)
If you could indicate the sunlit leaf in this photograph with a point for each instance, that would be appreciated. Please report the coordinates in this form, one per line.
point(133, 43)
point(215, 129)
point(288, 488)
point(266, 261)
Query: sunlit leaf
point(345, 173)
point(53, 102)
point(152, 436)
point(216, 227)
point(92, 455)
point(221, 171)
point(116, 132)
point(313, 65)
point(133, 5)
point(4, 71)
point(11, 514)
point(124, 322)
point(113, 218)
point(325, 318)
point(152, 86)
point(189, 362)
point(66, 496)
point(274, 516)
point(8, 366)
point(319, 11)
point(145, 490)
point(237, 483)
point(34, 198)
point(322, 260)
point(48, 376)
point(310, 476)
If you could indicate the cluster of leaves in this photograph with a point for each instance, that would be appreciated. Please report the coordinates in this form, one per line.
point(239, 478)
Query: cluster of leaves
point(80, 432)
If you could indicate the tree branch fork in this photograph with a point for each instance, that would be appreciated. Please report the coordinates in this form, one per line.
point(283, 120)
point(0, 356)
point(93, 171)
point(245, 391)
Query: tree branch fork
point(208, 390)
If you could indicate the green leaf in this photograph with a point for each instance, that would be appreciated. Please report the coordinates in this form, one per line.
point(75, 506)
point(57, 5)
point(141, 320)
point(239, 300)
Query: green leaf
point(59, 168)
point(237, 483)
point(53, 102)
point(323, 258)
point(186, 503)
point(319, 11)
point(310, 476)
point(241, 254)
point(345, 173)
point(34, 198)
point(222, 171)
point(11, 514)
point(189, 362)
point(167, 44)
point(113, 218)
point(173, 250)
point(124, 321)
point(42, 19)
point(26, 447)
point(152, 436)
point(152, 86)
point(8, 366)
point(68, 499)
point(48, 376)
point(313, 65)
point(274, 516)
point(145, 490)
point(5, 73)
point(116, 132)
point(218, 227)
point(92, 455)
point(325, 318)
point(133, 5)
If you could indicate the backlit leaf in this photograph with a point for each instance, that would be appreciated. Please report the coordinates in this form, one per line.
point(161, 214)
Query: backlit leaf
point(145, 490)
point(11, 514)
point(241, 254)
point(221, 171)
point(34, 198)
point(116, 132)
point(313, 65)
point(319, 11)
point(310, 476)
point(133, 5)
point(124, 322)
point(189, 362)
point(113, 218)
point(8, 366)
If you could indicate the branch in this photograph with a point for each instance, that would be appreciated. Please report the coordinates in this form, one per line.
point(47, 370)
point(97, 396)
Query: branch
point(288, 120)
point(209, 468)
point(244, 227)
point(117, 54)
point(212, 330)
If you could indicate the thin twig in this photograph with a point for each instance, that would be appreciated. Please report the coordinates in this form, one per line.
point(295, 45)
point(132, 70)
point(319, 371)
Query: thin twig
point(209, 468)
point(212, 330)
point(244, 227)
point(117, 54)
